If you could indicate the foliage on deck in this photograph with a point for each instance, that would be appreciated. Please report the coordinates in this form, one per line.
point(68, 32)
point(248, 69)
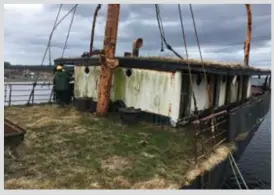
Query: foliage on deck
point(67, 149)
point(193, 62)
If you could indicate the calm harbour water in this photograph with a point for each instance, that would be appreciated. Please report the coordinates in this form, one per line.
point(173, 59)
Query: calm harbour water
point(255, 164)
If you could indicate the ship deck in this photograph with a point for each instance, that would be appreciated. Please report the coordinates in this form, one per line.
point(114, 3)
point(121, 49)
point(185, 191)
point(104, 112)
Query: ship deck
point(64, 148)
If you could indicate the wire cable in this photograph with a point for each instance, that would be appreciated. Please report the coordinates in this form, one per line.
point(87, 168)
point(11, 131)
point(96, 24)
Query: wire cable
point(162, 33)
point(70, 25)
point(55, 25)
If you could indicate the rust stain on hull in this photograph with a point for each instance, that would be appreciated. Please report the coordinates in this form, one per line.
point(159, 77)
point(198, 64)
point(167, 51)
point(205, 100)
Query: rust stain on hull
point(169, 109)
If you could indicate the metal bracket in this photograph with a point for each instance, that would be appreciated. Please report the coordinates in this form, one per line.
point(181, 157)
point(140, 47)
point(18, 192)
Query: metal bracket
point(111, 63)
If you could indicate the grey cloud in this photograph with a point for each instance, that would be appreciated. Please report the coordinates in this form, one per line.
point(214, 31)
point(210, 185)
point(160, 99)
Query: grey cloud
point(227, 29)
point(205, 12)
point(221, 29)
point(87, 10)
point(216, 32)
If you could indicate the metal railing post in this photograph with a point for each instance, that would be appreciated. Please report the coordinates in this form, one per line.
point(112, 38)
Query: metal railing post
point(32, 98)
point(10, 93)
point(10, 86)
point(5, 93)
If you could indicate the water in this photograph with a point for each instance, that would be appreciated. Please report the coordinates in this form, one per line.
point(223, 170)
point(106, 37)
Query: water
point(20, 92)
point(255, 164)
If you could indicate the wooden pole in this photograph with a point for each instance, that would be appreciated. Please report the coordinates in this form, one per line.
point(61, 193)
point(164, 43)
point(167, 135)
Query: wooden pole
point(108, 63)
point(248, 35)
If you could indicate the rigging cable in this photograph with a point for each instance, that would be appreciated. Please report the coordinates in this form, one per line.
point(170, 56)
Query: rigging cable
point(188, 64)
point(51, 34)
point(160, 25)
point(45, 53)
point(93, 27)
point(237, 169)
point(203, 66)
point(198, 43)
point(55, 25)
point(234, 173)
point(70, 25)
point(54, 28)
point(206, 81)
point(161, 33)
point(190, 74)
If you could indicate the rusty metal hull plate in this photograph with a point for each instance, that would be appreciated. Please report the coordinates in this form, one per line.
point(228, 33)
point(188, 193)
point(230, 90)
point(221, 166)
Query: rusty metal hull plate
point(243, 118)
point(13, 134)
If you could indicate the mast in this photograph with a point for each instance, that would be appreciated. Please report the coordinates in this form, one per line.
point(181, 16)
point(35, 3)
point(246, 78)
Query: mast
point(248, 35)
point(108, 63)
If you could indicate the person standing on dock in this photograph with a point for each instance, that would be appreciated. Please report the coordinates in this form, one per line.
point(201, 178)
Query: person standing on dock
point(61, 85)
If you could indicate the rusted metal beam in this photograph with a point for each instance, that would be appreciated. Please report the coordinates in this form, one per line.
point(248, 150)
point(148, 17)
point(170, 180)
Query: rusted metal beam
point(248, 35)
point(13, 134)
point(108, 63)
point(209, 117)
point(137, 44)
point(93, 27)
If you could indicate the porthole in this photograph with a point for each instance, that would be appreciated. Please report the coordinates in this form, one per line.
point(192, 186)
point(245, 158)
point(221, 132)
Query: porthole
point(87, 70)
point(128, 72)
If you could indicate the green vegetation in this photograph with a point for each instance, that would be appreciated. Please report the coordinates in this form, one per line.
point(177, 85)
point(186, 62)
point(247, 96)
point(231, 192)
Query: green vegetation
point(67, 149)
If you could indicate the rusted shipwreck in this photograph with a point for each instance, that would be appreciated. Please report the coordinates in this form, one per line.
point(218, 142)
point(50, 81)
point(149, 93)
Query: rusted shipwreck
point(214, 104)
point(211, 96)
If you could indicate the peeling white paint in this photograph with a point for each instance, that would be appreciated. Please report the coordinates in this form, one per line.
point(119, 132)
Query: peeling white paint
point(248, 93)
point(86, 84)
point(233, 90)
point(222, 92)
point(151, 91)
point(201, 94)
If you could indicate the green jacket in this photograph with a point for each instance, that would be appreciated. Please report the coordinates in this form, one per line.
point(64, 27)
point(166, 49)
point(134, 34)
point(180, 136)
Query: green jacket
point(61, 81)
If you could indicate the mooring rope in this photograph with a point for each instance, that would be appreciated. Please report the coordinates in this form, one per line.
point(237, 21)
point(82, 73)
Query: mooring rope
point(234, 173)
point(231, 160)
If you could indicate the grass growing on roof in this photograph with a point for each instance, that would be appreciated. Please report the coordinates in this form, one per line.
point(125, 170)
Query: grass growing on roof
point(198, 62)
point(67, 149)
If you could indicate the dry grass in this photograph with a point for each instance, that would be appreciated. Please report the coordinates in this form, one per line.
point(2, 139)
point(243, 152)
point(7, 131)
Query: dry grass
point(66, 149)
point(198, 62)
point(195, 62)
point(214, 158)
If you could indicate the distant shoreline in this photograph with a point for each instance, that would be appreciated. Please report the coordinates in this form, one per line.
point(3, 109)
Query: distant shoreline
point(26, 80)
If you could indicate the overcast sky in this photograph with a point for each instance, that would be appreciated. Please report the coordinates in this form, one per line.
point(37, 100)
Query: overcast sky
point(221, 29)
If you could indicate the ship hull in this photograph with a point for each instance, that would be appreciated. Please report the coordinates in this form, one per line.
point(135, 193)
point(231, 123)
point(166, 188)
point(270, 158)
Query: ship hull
point(215, 178)
point(241, 129)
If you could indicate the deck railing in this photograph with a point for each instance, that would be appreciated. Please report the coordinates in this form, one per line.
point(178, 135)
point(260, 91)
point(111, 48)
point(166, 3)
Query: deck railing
point(21, 93)
point(210, 131)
